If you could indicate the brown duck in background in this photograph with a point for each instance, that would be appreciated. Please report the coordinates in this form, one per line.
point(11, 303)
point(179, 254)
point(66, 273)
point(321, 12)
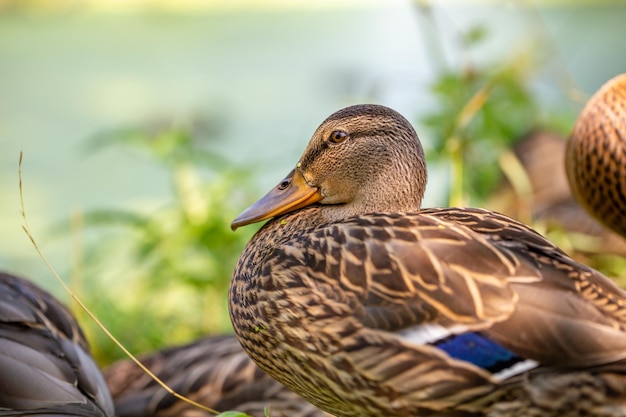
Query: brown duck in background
point(367, 305)
point(213, 371)
point(549, 202)
point(596, 156)
point(45, 365)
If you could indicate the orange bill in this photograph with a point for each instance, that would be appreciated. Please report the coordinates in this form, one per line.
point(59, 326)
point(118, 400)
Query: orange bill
point(290, 194)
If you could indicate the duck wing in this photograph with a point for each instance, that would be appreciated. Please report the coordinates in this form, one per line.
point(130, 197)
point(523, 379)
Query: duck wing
point(45, 365)
point(432, 276)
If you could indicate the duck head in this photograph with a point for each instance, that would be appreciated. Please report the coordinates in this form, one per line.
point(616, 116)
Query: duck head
point(361, 159)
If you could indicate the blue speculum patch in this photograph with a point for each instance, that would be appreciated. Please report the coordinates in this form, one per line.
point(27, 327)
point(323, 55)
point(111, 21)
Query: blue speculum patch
point(479, 350)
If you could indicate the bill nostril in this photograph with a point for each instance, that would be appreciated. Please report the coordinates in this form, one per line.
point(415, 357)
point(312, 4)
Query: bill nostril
point(284, 184)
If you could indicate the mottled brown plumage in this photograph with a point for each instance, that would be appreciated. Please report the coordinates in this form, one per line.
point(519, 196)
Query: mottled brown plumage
point(596, 156)
point(214, 371)
point(367, 305)
point(45, 365)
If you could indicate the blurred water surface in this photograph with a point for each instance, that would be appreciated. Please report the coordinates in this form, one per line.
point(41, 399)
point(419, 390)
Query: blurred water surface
point(268, 77)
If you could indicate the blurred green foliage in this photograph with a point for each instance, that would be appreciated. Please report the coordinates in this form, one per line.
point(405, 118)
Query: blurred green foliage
point(480, 112)
point(160, 277)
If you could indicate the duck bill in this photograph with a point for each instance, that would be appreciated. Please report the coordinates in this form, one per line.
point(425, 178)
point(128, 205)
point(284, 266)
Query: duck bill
point(290, 194)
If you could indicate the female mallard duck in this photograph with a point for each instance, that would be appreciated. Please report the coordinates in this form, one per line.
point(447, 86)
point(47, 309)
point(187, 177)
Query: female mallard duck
point(366, 305)
point(213, 371)
point(596, 156)
point(45, 366)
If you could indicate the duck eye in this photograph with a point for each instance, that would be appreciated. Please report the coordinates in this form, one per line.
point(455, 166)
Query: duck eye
point(337, 136)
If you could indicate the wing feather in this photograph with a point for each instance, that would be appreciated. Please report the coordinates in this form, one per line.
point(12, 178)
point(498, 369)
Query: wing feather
point(475, 268)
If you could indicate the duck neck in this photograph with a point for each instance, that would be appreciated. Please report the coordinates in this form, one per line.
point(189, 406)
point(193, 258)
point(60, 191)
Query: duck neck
point(380, 197)
point(274, 233)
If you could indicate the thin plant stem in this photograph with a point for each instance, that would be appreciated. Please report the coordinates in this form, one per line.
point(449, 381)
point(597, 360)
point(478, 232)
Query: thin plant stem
point(102, 327)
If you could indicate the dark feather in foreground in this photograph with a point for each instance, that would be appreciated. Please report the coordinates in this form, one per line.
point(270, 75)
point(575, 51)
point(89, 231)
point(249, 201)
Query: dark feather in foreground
point(45, 365)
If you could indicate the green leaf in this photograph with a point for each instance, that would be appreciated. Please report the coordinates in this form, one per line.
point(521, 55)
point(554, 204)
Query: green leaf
point(233, 414)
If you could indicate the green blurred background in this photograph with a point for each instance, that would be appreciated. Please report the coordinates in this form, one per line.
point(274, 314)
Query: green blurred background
point(146, 126)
